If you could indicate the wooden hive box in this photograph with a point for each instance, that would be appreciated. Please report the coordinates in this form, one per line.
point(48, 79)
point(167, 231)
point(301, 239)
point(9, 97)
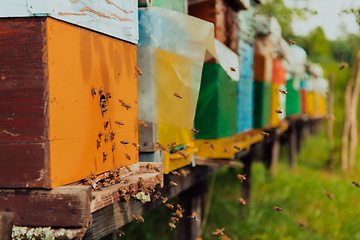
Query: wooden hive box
point(262, 91)
point(50, 119)
point(245, 104)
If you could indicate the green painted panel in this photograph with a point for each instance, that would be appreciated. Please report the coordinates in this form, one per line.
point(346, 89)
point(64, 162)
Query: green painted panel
point(293, 99)
point(175, 5)
point(261, 104)
point(216, 108)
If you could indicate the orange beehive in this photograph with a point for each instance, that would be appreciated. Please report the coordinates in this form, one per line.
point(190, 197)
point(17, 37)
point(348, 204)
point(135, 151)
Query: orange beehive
point(51, 119)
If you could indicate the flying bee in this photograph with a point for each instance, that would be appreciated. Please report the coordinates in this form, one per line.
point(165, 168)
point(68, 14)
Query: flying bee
point(136, 145)
point(265, 134)
point(219, 232)
point(121, 233)
point(194, 131)
point(172, 226)
point(237, 148)
point(161, 147)
point(98, 143)
point(127, 156)
point(93, 92)
point(182, 154)
point(119, 123)
point(277, 208)
point(178, 213)
point(172, 183)
point(143, 124)
point(242, 201)
point(301, 224)
point(174, 219)
point(101, 90)
point(107, 137)
point(356, 184)
point(113, 147)
point(343, 65)
point(292, 42)
point(138, 218)
point(210, 144)
point(232, 69)
point(157, 196)
point(106, 124)
point(279, 111)
point(104, 156)
point(283, 92)
point(138, 70)
point(168, 205)
point(241, 177)
point(193, 216)
point(226, 149)
point(108, 95)
point(164, 200)
point(175, 173)
point(172, 144)
point(329, 195)
point(178, 206)
point(112, 135)
point(178, 96)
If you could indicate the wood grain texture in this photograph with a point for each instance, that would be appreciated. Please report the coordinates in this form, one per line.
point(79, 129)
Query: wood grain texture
point(112, 217)
point(6, 223)
point(60, 207)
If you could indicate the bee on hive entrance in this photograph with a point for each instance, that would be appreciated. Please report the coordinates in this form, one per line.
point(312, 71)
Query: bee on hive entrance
point(113, 146)
point(107, 137)
point(112, 135)
point(101, 91)
point(127, 156)
point(93, 92)
point(241, 177)
point(175, 173)
point(158, 178)
point(265, 134)
point(292, 42)
point(194, 131)
point(126, 181)
point(138, 70)
point(279, 111)
point(277, 208)
point(178, 96)
point(106, 124)
point(156, 169)
point(237, 148)
point(108, 95)
point(210, 145)
point(98, 143)
point(219, 232)
point(104, 156)
point(232, 69)
point(283, 92)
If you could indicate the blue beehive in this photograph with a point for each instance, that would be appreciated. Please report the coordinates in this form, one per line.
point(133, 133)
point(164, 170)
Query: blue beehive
point(245, 104)
point(246, 52)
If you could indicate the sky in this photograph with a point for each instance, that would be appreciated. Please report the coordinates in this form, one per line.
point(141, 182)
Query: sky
point(327, 17)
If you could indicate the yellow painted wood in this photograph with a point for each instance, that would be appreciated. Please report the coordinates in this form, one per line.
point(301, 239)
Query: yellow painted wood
point(275, 104)
point(175, 160)
point(310, 104)
point(322, 104)
point(79, 59)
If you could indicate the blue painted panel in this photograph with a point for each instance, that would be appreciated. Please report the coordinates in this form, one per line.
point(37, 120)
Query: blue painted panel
point(245, 104)
point(246, 52)
point(116, 18)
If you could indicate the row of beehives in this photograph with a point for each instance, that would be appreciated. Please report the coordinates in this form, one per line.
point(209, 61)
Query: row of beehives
point(73, 104)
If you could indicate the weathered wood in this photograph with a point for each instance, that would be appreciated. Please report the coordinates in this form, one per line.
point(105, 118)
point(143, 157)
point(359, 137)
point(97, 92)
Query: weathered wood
point(271, 150)
point(59, 207)
point(191, 201)
point(112, 217)
point(217, 163)
point(6, 224)
point(292, 137)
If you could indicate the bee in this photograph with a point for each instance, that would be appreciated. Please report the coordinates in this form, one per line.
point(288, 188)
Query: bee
point(97, 188)
point(127, 156)
point(232, 69)
point(156, 169)
point(124, 142)
point(242, 201)
point(172, 144)
point(219, 232)
point(178, 206)
point(158, 178)
point(101, 90)
point(172, 183)
point(143, 124)
point(124, 104)
point(149, 167)
point(98, 143)
point(292, 42)
point(93, 92)
point(174, 219)
point(138, 218)
point(162, 147)
point(107, 137)
point(241, 177)
point(178, 213)
point(356, 184)
point(182, 154)
point(193, 216)
point(136, 145)
point(104, 109)
point(125, 197)
point(237, 148)
point(172, 226)
point(178, 96)
point(279, 111)
point(329, 195)
point(120, 233)
point(138, 70)
point(106, 124)
point(210, 144)
point(141, 179)
point(157, 196)
point(283, 92)
point(151, 189)
point(343, 65)
point(265, 134)
point(105, 184)
point(169, 205)
point(112, 135)
point(113, 147)
point(100, 134)
point(108, 95)
point(226, 149)
point(277, 208)
point(301, 224)
point(194, 131)
point(164, 199)
point(126, 181)
point(104, 156)
point(119, 123)
point(175, 173)
point(128, 168)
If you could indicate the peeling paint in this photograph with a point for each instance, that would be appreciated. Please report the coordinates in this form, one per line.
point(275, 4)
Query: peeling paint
point(73, 1)
point(120, 18)
point(100, 14)
point(71, 14)
point(111, 3)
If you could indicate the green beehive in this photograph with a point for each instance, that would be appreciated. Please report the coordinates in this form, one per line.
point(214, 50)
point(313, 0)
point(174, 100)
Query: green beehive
point(175, 5)
point(293, 99)
point(261, 104)
point(216, 108)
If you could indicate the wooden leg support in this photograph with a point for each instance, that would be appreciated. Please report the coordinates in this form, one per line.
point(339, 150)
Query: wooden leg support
point(247, 160)
point(292, 140)
point(271, 151)
point(191, 201)
point(6, 224)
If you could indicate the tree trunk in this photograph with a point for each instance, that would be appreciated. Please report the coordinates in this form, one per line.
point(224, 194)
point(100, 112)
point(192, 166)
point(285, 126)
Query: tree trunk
point(330, 123)
point(345, 136)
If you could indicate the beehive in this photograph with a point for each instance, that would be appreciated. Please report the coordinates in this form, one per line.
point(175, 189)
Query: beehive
point(293, 99)
point(277, 102)
point(50, 117)
point(246, 52)
point(245, 105)
point(262, 92)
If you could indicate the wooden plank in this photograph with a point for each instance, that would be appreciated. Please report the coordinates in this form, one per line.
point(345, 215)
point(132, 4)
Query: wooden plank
point(217, 162)
point(6, 223)
point(112, 217)
point(59, 207)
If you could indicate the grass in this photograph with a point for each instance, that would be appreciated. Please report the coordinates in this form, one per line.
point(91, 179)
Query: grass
point(300, 193)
